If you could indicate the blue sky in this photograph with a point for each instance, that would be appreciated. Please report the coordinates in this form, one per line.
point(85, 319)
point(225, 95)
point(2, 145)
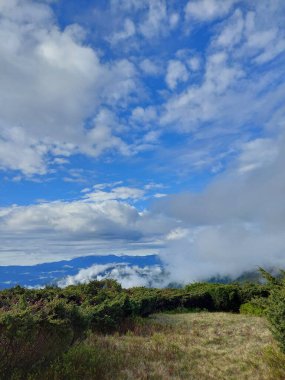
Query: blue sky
point(143, 127)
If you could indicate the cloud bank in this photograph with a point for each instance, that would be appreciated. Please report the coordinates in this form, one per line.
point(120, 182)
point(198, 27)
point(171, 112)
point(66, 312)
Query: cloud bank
point(102, 220)
point(237, 223)
point(128, 276)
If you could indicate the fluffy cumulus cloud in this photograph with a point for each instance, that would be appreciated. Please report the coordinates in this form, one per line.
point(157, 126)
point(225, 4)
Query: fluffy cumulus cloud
point(51, 81)
point(101, 221)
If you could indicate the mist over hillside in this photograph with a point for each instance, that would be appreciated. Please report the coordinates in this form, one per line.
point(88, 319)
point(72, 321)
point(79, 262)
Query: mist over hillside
point(129, 271)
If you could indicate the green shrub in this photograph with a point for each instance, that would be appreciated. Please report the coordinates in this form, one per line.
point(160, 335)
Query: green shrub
point(275, 310)
point(253, 308)
point(36, 336)
point(225, 298)
point(276, 314)
point(108, 315)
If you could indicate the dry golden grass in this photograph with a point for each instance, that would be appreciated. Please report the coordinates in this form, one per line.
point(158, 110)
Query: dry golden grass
point(192, 346)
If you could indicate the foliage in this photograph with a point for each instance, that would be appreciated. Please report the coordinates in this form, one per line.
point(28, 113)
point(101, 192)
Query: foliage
point(37, 334)
point(255, 307)
point(276, 315)
point(275, 310)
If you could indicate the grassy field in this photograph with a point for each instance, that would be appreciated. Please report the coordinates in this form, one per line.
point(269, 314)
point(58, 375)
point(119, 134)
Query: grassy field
point(177, 346)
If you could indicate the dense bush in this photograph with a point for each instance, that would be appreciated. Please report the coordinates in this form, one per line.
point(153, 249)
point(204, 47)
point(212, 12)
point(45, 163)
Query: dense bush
point(33, 335)
point(276, 314)
point(219, 297)
point(275, 305)
point(255, 307)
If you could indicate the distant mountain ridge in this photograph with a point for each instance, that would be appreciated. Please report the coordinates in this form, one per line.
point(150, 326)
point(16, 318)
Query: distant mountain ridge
point(52, 273)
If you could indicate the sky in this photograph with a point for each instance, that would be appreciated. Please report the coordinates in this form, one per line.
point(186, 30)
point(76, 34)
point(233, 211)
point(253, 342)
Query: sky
point(143, 126)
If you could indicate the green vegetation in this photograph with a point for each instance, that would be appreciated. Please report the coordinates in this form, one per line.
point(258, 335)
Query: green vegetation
point(101, 331)
point(275, 307)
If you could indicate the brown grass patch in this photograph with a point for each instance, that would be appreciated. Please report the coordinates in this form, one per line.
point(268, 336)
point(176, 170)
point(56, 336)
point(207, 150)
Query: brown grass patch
point(192, 346)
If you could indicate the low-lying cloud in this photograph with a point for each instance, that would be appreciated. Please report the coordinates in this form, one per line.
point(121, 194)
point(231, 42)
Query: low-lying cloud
point(128, 276)
point(236, 224)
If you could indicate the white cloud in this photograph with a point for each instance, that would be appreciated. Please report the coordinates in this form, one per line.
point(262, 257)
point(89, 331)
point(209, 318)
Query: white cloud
point(276, 47)
point(85, 275)
point(232, 33)
point(128, 31)
point(228, 94)
point(128, 276)
point(102, 136)
point(205, 102)
point(153, 19)
point(159, 195)
point(207, 10)
point(234, 225)
point(117, 193)
point(144, 115)
point(78, 217)
point(256, 154)
point(174, 20)
point(30, 160)
point(177, 233)
point(149, 67)
point(223, 251)
point(30, 11)
point(153, 185)
point(50, 83)
point(194, 63)
point(156, 19)
point(227, 97)
point(102, 221)
point(176, 73)
point(260, 41)
point(109, 185)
